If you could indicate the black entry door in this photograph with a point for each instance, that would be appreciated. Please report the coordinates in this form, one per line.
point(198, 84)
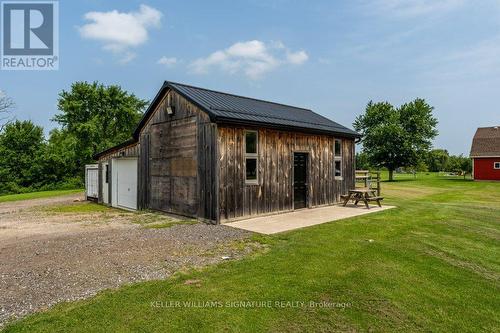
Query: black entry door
point(299, 180)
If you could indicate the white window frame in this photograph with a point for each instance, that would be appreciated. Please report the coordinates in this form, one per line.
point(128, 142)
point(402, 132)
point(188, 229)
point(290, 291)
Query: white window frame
point(496, 165)
point(338, 158)
point(253, 156)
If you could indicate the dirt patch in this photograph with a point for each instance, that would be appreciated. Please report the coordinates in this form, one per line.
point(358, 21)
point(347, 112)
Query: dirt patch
point(48, 257)
point(16, 206)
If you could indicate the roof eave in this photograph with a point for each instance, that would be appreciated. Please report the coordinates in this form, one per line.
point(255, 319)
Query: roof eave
point(211, 115)
point(485, 156)
point(124, 144)
point(215, 119)
point(231, 121)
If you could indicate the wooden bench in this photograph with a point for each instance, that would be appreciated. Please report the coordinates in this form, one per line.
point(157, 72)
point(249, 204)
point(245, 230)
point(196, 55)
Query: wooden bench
point(377, 199)
point(344, 197)
point(363, 195)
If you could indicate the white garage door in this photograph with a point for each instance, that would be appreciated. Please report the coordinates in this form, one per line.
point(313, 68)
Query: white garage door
point(125, 181)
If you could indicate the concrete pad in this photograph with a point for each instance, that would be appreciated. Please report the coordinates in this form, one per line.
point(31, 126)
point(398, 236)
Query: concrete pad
point(302, 218)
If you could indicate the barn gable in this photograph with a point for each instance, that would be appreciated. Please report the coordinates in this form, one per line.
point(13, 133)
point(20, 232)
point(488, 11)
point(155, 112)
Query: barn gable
point(486, 142)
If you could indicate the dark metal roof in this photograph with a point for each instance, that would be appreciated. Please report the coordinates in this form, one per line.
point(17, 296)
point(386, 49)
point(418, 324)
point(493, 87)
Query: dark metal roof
point(486, 142)
point(228, 108)
point(223, 107)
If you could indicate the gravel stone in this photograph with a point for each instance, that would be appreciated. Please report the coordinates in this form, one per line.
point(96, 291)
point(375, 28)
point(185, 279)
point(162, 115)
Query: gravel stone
point(47, 258)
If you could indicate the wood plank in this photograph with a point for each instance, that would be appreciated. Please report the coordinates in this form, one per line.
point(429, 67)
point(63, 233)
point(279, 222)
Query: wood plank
point(275, 155)
point(238, 172)
point(223, 172)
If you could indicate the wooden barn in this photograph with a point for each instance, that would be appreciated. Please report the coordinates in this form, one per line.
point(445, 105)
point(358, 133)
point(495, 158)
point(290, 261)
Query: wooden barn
point(485, 153)
point(220, 157)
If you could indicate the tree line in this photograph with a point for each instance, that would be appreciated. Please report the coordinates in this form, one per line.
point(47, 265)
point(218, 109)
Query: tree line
point(396, 138)
point(91, 117)
point(436, 160)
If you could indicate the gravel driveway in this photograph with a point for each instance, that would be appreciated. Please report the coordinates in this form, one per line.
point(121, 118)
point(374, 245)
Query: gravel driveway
point(47, 257)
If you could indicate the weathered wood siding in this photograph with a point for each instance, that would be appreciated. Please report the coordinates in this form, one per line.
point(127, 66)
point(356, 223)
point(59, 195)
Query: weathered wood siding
point(274, 192)
point(171, 179)
point(208, 174)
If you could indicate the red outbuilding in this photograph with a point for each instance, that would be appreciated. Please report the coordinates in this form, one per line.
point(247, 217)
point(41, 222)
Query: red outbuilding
point(485, 153)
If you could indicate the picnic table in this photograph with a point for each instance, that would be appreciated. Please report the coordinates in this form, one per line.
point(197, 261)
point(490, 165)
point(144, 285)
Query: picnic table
point(362, 194)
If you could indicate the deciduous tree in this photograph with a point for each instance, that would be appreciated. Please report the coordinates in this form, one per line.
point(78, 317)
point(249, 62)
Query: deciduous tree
point(396, 137)
point(459, 164)
point(98, 117)
point(6, 104)
point(437, 160)
point(21, 144)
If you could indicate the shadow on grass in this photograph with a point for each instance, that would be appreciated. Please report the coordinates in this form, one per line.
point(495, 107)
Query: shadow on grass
point(399, 180)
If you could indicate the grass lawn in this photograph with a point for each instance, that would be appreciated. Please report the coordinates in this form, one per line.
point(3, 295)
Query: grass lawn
point(79, 207)
point(36, 195)
point(432, 264)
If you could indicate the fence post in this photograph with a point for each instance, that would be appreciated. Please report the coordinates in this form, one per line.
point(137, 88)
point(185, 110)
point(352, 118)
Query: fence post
point(378, 184)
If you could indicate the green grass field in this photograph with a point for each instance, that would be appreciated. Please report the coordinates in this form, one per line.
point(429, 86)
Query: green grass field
point(36, 195)
point(432, 264)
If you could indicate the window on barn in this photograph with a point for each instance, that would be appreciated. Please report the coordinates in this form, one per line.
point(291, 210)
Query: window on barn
point(251, 157)
point(338, 148)
point(338, 159)
point(496, 165)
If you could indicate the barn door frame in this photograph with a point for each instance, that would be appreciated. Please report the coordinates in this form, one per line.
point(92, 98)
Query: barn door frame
point(308, 178)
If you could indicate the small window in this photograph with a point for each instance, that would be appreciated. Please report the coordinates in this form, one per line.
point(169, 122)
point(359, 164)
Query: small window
point(338, 159)
point(338, 169)
point(496, 165)
point(338, 148)
point(251, 157)
point(251, 169)
point(106, 174)
point(251, 142)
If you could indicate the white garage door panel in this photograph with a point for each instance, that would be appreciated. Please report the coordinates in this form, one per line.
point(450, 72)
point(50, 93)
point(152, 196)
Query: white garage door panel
point(91, 181)
point(126, 185)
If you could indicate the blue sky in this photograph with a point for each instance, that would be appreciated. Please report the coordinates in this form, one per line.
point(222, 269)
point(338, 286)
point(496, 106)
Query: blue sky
point(330, 56)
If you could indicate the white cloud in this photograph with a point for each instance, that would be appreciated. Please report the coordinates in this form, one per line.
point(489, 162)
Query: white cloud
point(297, 58)
point(253, 58)
point(412, 8)
point(119, 32)
point(166, 61)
